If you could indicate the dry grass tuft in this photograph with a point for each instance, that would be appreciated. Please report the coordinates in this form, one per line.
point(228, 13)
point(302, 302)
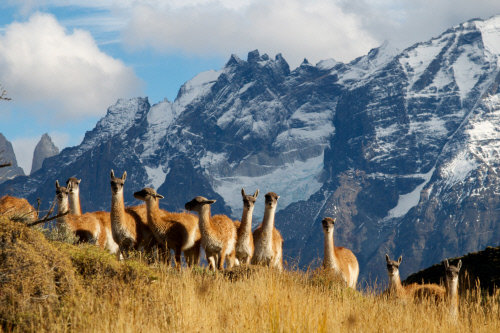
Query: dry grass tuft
point(34, 276)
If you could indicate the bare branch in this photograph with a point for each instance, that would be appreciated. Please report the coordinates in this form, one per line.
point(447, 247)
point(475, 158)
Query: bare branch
point(5, 165)
point(46, 219)
point(51, 209)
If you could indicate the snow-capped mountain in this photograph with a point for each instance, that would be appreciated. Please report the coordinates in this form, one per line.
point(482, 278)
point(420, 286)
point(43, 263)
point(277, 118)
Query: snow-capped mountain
point(400, 146)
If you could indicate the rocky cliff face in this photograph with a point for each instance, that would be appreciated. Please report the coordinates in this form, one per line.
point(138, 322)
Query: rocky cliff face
point(44, 148)
point(400, 147)
point(7, 155)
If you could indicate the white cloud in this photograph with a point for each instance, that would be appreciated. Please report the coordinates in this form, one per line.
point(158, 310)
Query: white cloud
point(61, 139)
point(405, 22)
point(315, 29)
point(64, 74)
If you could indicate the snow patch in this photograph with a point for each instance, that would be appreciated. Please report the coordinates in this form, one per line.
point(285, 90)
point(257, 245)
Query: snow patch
point(458, 168)
point(245, 87)
point(490, 31)
point(467, 73)
point(301, 182)
point(197, 87)
point(327, 64)
point(156, 176)
point(211, 160)
point(159, 117)
point(418, 59)
point(410, 200)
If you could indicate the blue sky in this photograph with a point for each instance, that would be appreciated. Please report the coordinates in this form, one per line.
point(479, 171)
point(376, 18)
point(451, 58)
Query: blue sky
point(63, 62)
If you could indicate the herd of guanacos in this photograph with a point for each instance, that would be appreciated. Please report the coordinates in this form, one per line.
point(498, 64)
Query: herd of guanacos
point(147, 228)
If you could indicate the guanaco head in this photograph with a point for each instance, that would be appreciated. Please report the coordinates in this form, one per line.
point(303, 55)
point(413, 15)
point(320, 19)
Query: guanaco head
point(61, 192)
point(249, 200)
point(73, 184)
point(117, 183)
point(62, 196)
point(147, 194)
point(452, 271)
point(197, 203)
point(328, 224)
point(271, 199)
point(393, 266)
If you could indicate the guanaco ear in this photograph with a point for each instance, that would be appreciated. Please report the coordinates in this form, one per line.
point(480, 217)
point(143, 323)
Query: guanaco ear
point(78, 181)
point(387, 258)
point(256, 194)
point(209, 201)
point(243, 192)
point(400, 259)
point(57, 184)
point(112, 174)
point(124, 176)
point(277, 197)
point(459, 265)
point(159, 196)
point(446, 264)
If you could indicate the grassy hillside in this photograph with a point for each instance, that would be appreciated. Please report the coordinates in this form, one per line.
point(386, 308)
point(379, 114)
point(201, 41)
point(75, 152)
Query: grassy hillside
point(54, 286)
point(478, 269)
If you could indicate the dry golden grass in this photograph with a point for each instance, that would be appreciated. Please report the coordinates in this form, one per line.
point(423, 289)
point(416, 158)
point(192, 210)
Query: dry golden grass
point(134, 297)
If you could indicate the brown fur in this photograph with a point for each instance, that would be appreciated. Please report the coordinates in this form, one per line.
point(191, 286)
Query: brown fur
point(218, 233)
point(173, 231)
point(87, 227)
point(451, 286)
point(339, 259)
point(268, 245)
point(244, 247)
point(105, 240)
point(128, 225)
point(240, 232)
point(413, 291)
point(20, 208)
point(277, 239)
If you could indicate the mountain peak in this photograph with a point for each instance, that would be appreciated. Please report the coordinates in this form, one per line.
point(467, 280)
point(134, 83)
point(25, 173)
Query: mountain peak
point(253, 56)
point(234, 60)
point(7, 155)
point(44, 149)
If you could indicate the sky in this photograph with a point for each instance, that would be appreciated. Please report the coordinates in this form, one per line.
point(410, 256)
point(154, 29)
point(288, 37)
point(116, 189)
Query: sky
point(64, 62)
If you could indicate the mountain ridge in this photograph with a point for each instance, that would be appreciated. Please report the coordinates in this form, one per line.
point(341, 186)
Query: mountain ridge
point(391, 144)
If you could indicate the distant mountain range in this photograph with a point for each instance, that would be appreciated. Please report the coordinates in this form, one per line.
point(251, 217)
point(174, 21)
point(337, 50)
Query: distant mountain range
point(402, 147)
point(45, 148)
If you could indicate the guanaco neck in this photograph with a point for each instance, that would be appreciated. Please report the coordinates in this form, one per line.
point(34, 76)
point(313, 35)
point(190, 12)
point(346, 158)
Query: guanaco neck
point(205, 224)
point(452, 295)
point(152, 208)
point(395, 282)
point(117, 207)
point(246, 222)
point(62, 207)
point(330, 260)
point(268, 222)
point(74, 202)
